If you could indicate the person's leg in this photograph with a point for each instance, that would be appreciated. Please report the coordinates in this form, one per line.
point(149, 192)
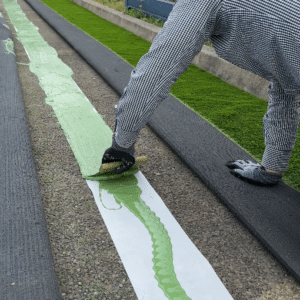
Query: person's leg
point(189, 24)
point(263, 38)
point(280, 127)
point(253, 37)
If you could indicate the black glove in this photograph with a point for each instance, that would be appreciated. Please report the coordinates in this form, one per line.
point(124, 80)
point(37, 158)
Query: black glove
point(118, 153)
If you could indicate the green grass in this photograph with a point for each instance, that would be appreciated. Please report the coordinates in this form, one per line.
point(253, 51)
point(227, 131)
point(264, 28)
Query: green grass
point(234, 112)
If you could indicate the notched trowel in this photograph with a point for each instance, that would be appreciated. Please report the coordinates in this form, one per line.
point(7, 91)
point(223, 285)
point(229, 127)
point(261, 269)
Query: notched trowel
point(107, 171)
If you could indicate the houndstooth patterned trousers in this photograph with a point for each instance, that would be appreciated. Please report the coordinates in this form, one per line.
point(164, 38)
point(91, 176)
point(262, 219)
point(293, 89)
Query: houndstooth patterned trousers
point(261, 36)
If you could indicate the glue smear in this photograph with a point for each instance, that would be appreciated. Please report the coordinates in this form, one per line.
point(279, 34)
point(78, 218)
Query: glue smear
point(89, 137)
point(126, 192)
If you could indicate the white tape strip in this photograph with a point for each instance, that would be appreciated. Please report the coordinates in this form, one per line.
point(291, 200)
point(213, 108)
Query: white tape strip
point(134, 245)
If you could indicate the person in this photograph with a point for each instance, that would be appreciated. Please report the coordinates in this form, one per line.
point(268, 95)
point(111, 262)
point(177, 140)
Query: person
point(261, 36)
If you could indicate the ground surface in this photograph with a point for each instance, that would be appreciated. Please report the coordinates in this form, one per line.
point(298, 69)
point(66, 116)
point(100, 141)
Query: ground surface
point(86, 261)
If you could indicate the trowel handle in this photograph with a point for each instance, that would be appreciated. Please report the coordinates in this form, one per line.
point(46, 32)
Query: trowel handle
point(111, 166)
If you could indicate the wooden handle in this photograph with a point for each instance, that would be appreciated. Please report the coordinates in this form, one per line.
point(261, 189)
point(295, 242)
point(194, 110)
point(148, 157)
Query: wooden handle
point(111, 166)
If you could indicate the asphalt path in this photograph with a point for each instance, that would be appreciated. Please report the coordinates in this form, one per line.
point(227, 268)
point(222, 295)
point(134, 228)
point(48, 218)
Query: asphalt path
point(86, 261)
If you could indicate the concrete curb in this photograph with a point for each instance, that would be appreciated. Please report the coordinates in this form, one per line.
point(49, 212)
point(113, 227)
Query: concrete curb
point(207, 59)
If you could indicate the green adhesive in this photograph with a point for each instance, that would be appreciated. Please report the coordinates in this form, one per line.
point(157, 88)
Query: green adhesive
point(9, 46)
point(89, 137)
point(126, 192)
point(112, 175)
point(84, 128)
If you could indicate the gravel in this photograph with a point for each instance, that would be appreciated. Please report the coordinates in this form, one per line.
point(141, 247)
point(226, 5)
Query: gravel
point(86, 261)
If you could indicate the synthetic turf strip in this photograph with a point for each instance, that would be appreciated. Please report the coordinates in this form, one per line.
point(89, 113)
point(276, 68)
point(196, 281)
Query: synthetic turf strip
point(27, 269)
point(270, 213)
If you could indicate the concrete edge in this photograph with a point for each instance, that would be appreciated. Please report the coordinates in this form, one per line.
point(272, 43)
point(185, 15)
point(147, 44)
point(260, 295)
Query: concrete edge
point(206, 59)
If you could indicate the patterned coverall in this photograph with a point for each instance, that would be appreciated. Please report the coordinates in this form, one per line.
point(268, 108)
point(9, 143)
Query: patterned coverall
point(261, 36)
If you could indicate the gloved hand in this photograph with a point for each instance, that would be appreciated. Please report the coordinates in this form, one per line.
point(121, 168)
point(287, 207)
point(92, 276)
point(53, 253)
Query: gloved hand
point(112, 155)
point(253, 173)
point(118, 153)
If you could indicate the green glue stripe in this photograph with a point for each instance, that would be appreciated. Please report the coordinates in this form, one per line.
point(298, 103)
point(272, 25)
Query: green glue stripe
point(126, 191)
point(76, 115)
point(89, 137)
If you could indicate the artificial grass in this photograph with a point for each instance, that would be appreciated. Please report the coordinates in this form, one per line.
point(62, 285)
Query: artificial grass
point(234, 112)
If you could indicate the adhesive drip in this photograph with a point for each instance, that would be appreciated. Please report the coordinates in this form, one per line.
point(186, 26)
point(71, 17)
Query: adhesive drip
point(76, 115)
point(126, 192)
point(9, 46)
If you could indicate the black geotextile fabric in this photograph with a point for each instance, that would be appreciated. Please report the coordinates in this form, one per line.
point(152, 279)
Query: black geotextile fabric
point(270, 213)
point(26, 263)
